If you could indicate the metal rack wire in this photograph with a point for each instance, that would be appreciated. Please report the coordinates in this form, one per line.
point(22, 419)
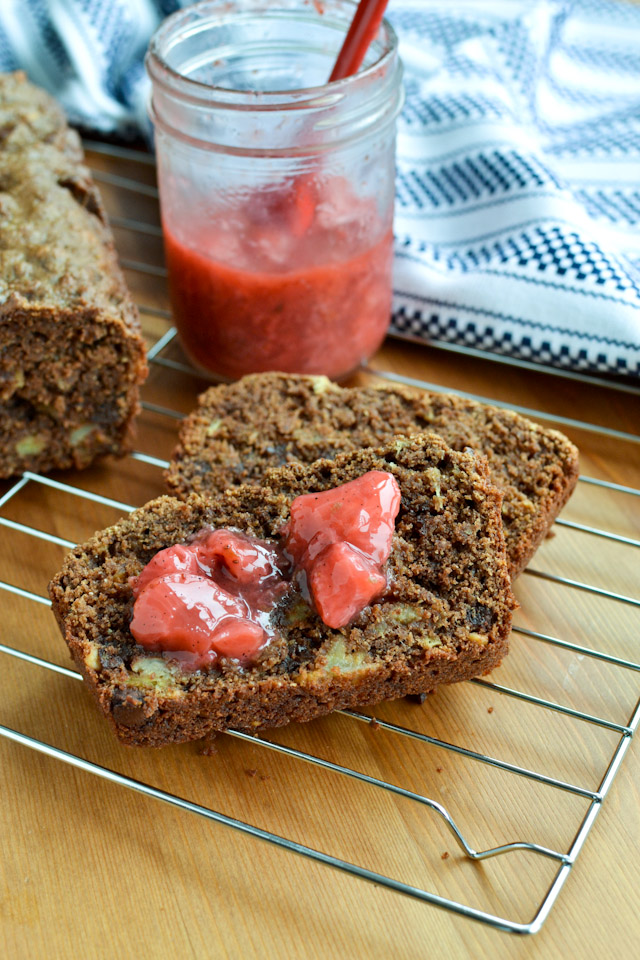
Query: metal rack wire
point(623, 731)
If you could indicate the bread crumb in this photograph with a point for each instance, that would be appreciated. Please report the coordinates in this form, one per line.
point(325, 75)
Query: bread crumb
point(251, 773)
point(444, 856)
point(439, 769)
point(489, 709)
point(264, 776)
point(373, 723)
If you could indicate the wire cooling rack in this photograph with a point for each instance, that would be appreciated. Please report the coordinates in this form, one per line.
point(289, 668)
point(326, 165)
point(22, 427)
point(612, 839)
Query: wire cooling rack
point(161, 356)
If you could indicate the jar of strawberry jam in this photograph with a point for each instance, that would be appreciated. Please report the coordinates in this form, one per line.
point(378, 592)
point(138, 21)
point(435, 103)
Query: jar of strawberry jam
point(276, 187)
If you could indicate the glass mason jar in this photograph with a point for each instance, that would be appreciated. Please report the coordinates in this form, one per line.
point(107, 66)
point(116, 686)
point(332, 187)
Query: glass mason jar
point(276, 187)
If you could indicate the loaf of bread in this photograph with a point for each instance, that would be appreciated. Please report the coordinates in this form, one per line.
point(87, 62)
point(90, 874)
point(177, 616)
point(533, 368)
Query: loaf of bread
point(71, 354)
point(445, 615)
point(240, 430)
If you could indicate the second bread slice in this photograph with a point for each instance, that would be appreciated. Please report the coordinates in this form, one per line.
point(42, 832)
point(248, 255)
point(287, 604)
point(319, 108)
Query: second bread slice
point(240, 430)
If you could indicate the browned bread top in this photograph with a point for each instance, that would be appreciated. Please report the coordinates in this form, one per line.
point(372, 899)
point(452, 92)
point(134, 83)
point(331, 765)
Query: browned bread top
point(56, 250)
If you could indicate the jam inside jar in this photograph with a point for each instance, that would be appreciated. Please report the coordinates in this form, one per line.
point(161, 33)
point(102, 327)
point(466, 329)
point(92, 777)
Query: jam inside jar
point(276, 188)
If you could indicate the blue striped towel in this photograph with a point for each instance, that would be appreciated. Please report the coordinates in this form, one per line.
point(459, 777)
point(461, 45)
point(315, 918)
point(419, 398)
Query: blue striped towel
point(518, 187)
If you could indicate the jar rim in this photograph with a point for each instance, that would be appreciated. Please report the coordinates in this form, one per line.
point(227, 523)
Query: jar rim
point(199, 93)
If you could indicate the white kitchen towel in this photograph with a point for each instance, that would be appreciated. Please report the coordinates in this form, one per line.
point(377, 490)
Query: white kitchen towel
point(518, 188)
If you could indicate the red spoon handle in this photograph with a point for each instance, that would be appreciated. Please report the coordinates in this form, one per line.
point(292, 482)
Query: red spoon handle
point(363, 29)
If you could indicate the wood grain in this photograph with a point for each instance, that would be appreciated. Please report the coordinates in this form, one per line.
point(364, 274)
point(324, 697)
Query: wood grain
point(91, 869)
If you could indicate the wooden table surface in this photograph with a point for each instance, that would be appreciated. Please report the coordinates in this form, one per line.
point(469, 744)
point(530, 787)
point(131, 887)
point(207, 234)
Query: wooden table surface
point(92, 869)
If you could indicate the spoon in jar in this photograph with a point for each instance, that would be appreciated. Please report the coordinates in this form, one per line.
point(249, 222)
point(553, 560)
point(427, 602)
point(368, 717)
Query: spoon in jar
point(364, 26)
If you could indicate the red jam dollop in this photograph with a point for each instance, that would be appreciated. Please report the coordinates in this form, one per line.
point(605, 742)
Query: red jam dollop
point(192, 614)
point(292, 282)
point(341, 539)
point(204, 600)
point(211, 598)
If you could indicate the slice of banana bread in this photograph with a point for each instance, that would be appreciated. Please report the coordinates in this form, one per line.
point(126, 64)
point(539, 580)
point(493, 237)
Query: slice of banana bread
point(445, 615)
point(241, 429)
point(71, 354)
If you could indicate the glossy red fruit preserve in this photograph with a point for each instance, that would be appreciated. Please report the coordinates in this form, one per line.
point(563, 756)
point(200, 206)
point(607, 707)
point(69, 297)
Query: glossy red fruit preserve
point(203, 600)
point(343, 581)
point(341, 538)
point(324, 318)
point(191, 614)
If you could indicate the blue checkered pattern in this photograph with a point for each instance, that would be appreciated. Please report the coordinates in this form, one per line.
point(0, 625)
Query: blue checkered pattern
point(518, 186)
